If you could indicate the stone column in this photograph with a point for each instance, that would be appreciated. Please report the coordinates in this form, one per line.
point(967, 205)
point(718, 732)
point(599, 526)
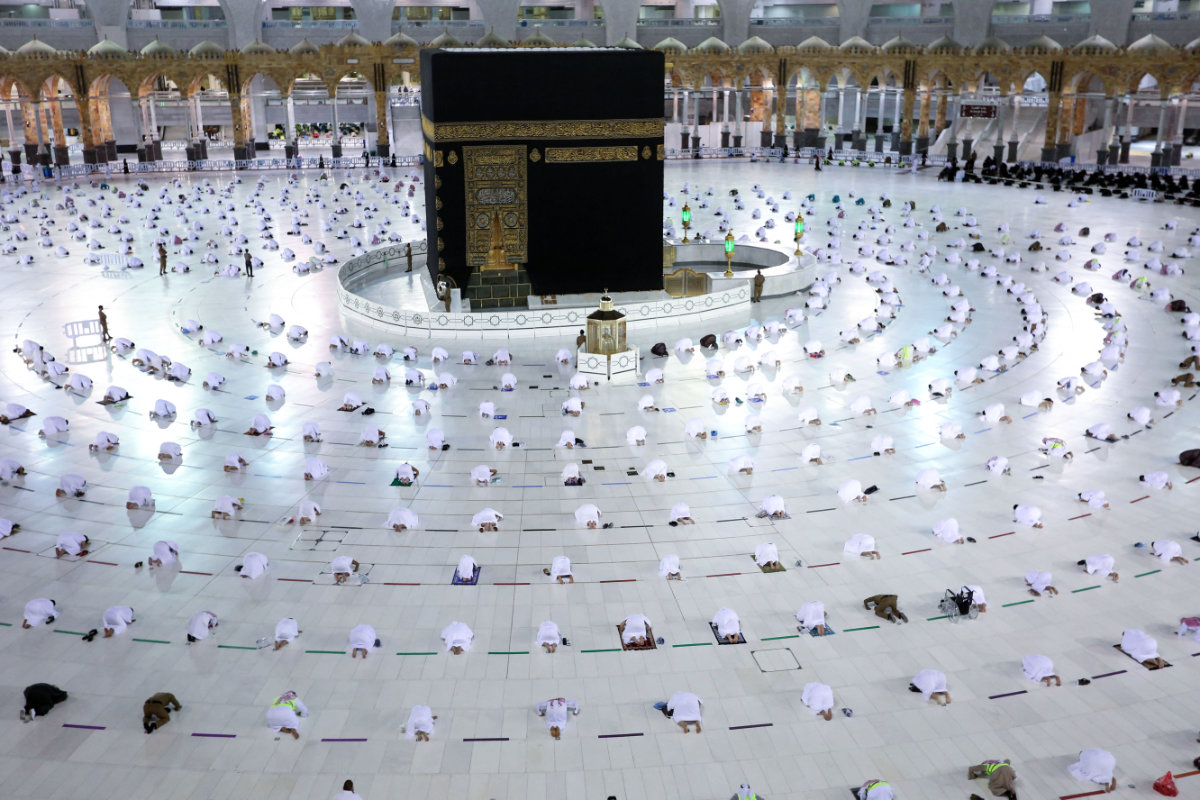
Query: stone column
point(674, 105)
point(336, 140)
point(291, 148)
point(1001, 114)
point(1106, 132)
point(1177, 150)
point(685, 134)
point(952, 142)
point(861, 99)
point(923, 122)
point(1066, 127)
point(1127, 138)
point(841, 116)
point(1156, 157)
point(383, 145)
point(1050, 136)
point(696, 122)
point(740, 123)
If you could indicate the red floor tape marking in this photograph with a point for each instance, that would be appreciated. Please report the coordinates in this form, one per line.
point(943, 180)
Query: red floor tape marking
point(1140, 499)
point(910, 552)
point(998, 535)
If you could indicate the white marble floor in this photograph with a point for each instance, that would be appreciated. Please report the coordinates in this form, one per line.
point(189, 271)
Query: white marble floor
point(488, 743)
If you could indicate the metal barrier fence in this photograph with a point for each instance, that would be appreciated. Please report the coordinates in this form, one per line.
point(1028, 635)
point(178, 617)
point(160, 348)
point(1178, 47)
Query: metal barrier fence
point(1125, 169)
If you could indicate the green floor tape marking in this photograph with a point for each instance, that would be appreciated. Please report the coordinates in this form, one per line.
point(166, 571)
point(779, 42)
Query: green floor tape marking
point(943, 616)
point(508, 652)
point(153, 641)
point(693, 644)
point(603, 650)
point(69, 633)
point(1144, 574)
point(329, 652)
point(6, 624)
point(1018, 603)
point(777, 638)
point(866, 628)
point(235, 647)
point(427, 653)
point(1085, 589)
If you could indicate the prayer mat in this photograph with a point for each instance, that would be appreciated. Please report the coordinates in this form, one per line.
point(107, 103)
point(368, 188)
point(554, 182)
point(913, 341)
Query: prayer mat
point(650, 642)
point(1165, 662)
point(741, 638)
point(457, 581)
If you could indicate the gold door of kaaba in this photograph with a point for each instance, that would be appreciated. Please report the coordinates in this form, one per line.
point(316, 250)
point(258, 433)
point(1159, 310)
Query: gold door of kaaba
point(495, 187)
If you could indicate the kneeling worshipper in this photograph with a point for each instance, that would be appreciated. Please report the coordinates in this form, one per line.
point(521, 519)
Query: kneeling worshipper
point(286, 630)
point(875, 789)
point(38, 612)
point(555, 712)
point(284, 714)
point(548, 636)
point(1040, 668)
point(727, 625)
point(635, 631)
point(362, 639)
point(684, 708)
point(819, 699)
point(200, 625)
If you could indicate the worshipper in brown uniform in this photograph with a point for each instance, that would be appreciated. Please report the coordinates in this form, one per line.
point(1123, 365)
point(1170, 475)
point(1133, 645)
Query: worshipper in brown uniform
point(156, 711)
point(1000, 775)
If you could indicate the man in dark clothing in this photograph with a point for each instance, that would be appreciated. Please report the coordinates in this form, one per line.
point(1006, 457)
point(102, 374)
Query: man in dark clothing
point(39, 699)
point(156, 711)
point(886, 607)
point(104, 334)
point(249, 265)
point(162, 259)
point(759, 281)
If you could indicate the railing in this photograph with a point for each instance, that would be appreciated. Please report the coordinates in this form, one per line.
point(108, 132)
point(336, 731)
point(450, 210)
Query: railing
point(680, 23)
point(47, 23)
point(911, 20)
point(560, 23)
point(724, 152)
point(1165, 16)
point(436, 23)
point(177, 24)
point(797, 22)
point(326, 24)
point(1126, 169)
point(1026, 19)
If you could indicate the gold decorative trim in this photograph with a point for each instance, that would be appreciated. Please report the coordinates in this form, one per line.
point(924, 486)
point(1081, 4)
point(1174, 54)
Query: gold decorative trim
point(437, 201)
point(440, 244)
point(646, 153)
point(452, 159)
point(561, 155)
point(534, 155)
point(496, 191)
point(661, 153)
point(437, 180)
point(542, 129)
point(440, 223)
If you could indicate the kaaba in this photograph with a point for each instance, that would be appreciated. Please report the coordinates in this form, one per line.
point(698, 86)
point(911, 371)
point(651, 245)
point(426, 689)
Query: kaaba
point(549, 160)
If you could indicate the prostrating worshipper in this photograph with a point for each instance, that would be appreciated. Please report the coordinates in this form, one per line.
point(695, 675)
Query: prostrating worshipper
point(10, 469)
point(886, 606)
point(773, 507)
point(371, 436)
point(875, 789)
point(1141, 648)
point(766, 555)
point(401, 519)
point(560, 570)
point(116, 619)
point(635, 436)
point(420, 723)
point(39, 699)
point(71, 486)
point(1040, 668)
point(39, 611)
point(635, 632)
point(931, 683)
point(14, 412)
point(1095, 498)
point(684, 708)
point(235, 462)
point(851, 491)
point(284, 714)
point(669, 568)
point(200, 625)
point(169, 451)
point(202, 418)
point(1155, 480)
point(1029, 516)
point(104, 442)
point(457, 637)
point(139, 497)
point(487, 520)
point(1097, 766)
point(407, 474)
point(225, 506)
point(818, 697)
point(947, 530)
point(1039, 583)
point(342, 568)
point(1000, 775)
point(861, 544)
point(466, 569)
point(727, 625)
point(482, 475)
point(254, 565)
point(656, 470)
point(812, 616)
point(741, 465)
point(71, 544)
point(931, 480)
point(261, 426)
point(285, 631)
point(165, 552)
point(681, 514)
point(555, 711)
point(362, 639)
point(882, 444)
point(548, 636)
point(501, 438)
point(1168, 551)
point(156, 711)
point(315, 469)
point(1101, 565)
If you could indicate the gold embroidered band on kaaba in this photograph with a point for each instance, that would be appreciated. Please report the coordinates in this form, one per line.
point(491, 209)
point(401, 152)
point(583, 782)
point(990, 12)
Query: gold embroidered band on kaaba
point(542, 129)
point(561, 155)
